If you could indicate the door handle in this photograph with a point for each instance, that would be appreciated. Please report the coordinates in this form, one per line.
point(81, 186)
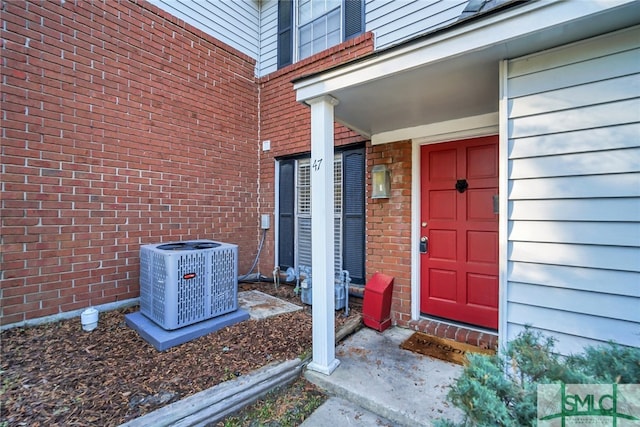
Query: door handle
point(424, 245)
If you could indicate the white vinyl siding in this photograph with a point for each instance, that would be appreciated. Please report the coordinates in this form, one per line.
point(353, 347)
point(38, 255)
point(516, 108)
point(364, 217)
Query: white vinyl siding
point(268, 61)
point(234, 22)
point(251, 25)
point(394, 21)
point(574, 192)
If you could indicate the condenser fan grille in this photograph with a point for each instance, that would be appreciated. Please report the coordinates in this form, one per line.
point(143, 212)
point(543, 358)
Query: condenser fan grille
point(188, 246)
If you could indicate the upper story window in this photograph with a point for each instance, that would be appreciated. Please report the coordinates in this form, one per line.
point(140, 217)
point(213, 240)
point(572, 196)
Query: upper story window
point(318, 26)
point(306, 27)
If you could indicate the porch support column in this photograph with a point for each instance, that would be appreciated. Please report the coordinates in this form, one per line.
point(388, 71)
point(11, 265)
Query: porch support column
point(322, 241)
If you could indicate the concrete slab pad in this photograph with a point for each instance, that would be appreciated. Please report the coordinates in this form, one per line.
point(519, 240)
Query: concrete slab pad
point(337, 412)
point(162, 339)
point(260, 305)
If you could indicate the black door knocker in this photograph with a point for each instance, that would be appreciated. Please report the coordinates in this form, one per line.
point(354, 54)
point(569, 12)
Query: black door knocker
point(462, 185)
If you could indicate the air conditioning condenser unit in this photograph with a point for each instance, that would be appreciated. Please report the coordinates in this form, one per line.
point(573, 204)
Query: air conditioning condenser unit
point(182, 283)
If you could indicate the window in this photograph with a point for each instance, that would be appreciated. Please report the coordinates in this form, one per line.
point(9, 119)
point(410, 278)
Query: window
point(303, 211)
point(294, 227)
point(315, 25)
point(318, 26)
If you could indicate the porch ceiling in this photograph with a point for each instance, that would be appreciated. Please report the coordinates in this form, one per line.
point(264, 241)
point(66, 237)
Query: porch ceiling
point(454, 73)
point(460, 87)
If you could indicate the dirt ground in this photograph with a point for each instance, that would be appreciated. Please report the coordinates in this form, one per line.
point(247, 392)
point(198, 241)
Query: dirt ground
point(58, 374)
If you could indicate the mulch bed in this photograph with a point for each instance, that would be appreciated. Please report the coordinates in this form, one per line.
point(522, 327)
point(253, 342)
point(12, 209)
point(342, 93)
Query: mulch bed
point(58, 374)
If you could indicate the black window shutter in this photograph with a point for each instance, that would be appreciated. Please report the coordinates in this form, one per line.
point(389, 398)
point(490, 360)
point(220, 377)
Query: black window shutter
point(286, 214)
point(285, 32)
point(353, 18)
point(353, 211)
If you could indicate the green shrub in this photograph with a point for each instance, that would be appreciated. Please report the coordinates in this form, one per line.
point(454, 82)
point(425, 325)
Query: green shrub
point(501, 390)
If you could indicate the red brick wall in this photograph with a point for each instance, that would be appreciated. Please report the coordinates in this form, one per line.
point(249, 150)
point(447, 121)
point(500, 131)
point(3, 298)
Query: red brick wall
point(389, 224)
point(121, 126)
point(287, 123)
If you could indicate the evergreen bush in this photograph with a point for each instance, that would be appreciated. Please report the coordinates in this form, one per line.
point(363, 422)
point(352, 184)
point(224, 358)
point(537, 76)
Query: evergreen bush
point(501, 390)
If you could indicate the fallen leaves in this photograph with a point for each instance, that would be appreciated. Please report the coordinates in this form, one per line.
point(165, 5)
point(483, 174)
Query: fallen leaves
point(58, 374)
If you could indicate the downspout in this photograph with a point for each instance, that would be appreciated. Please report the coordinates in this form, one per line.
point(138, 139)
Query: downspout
point(259, 132)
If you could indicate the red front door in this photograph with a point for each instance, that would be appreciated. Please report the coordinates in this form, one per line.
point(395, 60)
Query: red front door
point(459, 231)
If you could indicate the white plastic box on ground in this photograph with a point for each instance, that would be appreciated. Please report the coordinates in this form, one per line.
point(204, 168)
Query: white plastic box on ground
point(182, 283)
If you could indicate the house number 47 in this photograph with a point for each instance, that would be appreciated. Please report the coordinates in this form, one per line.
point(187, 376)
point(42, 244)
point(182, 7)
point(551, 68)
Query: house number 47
point(316, 164)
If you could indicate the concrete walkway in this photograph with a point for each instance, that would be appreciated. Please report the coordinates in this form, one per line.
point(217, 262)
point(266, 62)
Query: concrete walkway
point(378, 383)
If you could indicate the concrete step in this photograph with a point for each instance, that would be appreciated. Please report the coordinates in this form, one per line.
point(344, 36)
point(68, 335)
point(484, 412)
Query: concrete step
point(400, 386)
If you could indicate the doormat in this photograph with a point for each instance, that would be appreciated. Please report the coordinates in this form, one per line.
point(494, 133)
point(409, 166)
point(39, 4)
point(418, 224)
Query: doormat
point(442, 348)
